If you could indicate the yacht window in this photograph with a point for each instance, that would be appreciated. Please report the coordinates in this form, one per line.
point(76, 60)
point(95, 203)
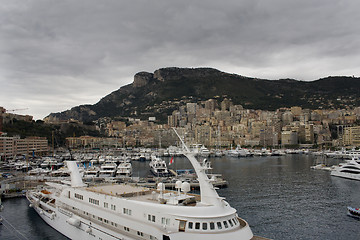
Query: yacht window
point(165, 221)
point(219, 225)
point(182, 225)
point(78, 196)
point(151, 218)
point(225, 224)
point(212, 225)
point(204, 226)
point(190, 225)
point(93, 201)
point(234, 221)
point(231, 224)
point(197, 225)
point(127, 211)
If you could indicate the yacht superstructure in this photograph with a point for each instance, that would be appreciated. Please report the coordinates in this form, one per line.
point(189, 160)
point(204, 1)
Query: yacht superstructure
point(130, 212)
point(350, 169)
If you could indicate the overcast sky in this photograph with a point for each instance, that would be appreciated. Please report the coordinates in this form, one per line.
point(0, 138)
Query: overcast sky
point(57, 54)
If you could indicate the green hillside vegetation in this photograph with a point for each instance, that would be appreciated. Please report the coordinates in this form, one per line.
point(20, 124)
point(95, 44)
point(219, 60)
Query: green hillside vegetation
point(40, 129)
point(159, 90)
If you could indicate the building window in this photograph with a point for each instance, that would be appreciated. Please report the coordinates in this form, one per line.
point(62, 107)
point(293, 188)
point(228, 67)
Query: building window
point(113, 207)
point(106, 205)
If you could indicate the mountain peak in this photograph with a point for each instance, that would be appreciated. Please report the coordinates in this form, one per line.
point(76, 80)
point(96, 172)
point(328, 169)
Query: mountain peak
point(149, 92)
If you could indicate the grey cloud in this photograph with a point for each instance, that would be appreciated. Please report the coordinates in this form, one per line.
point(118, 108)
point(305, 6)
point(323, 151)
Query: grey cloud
point(82, 50)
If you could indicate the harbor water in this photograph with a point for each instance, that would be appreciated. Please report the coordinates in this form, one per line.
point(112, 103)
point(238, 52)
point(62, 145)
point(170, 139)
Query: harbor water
point(280, 197)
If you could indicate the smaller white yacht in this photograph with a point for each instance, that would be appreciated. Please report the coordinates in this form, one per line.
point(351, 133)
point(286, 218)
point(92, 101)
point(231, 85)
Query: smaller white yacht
point(91, 172)
point(108, 169)
point(158, 167)
point(239, 152)
point(204, 152)
point(124, 169)
point(350, 169)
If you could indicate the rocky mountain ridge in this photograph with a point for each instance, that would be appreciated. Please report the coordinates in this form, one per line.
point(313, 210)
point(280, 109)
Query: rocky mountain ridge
point(158, 94)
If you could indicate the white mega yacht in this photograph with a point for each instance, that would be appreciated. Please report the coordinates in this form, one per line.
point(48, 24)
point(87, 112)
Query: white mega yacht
point(130, 212)
point(350, 169)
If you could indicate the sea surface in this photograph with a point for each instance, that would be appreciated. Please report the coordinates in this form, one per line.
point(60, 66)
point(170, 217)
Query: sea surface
point(280, 197)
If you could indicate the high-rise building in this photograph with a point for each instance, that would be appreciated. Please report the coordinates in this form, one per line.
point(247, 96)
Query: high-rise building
point(225, 105)
point(210, 104)
point(351, 136)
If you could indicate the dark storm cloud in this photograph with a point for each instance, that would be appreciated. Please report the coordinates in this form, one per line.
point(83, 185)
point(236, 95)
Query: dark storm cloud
point(59, 54)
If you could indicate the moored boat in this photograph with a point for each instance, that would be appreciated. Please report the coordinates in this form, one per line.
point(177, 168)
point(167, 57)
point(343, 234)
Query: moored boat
point(350, 169)
point(130, 212)
point(353, 212)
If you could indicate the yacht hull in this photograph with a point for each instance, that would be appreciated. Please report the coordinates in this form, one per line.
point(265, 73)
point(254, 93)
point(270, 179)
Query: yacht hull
point(346, 175)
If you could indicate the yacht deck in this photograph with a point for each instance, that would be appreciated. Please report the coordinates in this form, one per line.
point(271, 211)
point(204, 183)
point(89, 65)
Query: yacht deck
point(120, 190)
point(144, 194)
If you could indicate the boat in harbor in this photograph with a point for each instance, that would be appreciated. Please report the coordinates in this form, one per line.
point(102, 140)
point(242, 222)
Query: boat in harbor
point(158, 167)
point(91, 172)
point(350, 169)
point(204, 152)
point(124, 169)
point(127, 211)
point(108, 169)
point(353, 212)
